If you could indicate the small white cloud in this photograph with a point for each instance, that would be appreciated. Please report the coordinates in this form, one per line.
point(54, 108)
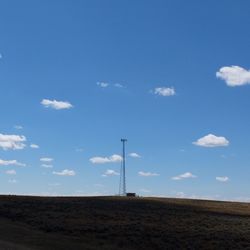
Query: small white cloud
point(234, 75)
point(47, 166)
point(183, 176)
point(65, 172)
point(110, 172)
point(118, 85)
point(13, 142)
point(211, 141)
point(11, 163)
point(11, 172)
point(180, 195)
point(18, 127)
point(56, 104)
point(134, 155)
point(106, 84)
point(222, 178)
point(102, 84)
point(35, 146)
point(46, 159)
point(164, 91)
point(101, 160)
point(147, 174)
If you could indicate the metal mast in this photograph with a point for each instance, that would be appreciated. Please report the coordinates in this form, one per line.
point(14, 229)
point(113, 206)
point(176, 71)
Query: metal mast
point(123, 170)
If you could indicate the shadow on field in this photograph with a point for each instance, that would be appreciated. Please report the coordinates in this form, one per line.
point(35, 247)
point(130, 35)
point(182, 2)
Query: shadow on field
point(122, 223)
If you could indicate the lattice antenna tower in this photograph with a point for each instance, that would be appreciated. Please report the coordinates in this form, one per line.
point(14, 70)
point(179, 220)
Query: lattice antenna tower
point(122, 188)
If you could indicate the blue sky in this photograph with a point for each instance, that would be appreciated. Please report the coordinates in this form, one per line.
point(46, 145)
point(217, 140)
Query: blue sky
point(170, 76)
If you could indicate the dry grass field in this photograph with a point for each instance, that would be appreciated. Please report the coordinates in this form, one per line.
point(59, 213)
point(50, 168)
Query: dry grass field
point(112, 223)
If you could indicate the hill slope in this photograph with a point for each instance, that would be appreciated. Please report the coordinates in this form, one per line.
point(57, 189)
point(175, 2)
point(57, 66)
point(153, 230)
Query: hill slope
point(122, 223)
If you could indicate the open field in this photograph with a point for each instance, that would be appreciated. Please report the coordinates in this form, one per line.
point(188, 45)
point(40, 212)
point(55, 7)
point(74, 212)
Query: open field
point(122, 223)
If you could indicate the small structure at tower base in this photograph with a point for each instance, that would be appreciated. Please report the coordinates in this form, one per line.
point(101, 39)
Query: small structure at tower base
point(131, 194)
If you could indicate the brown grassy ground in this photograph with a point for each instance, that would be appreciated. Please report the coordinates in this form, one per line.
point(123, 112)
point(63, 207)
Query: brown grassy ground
point(122, 223)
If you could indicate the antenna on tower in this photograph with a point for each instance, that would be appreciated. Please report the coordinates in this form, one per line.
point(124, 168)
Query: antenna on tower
point(122, 190)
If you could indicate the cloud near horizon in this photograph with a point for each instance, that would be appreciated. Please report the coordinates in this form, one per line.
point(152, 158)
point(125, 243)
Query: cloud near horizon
point(186, 175)
point(211, 141)
point(147, 174)
point(65, 172)
point(47, 166)
point(110, 172)
point(11, 163)
point(11, 172)
point(101, 160)
point(144, 190)
point(234, 75)
point(46, 159)
point(13, 142)
point(56, 104)
point(222, 178)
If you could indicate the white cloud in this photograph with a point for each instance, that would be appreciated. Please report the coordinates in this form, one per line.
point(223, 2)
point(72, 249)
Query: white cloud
point(35, 146)
point(234, 75)
point(147, 174)
point(103, 84)
point(118, 85)
point(211, 141)
point(164, 91)
point(11, 163)
point(65, 172)
point(222, 178)
point(12, 142)
point(106, 84)
point(11, 172)
point(134, 155)
point(196, 197)
point(56, 104)
point(47, 166)
point(110, 172)
point(183, 176)
point(46, 159)
point(102, 160)
point(180, 195)
point(18, 127)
